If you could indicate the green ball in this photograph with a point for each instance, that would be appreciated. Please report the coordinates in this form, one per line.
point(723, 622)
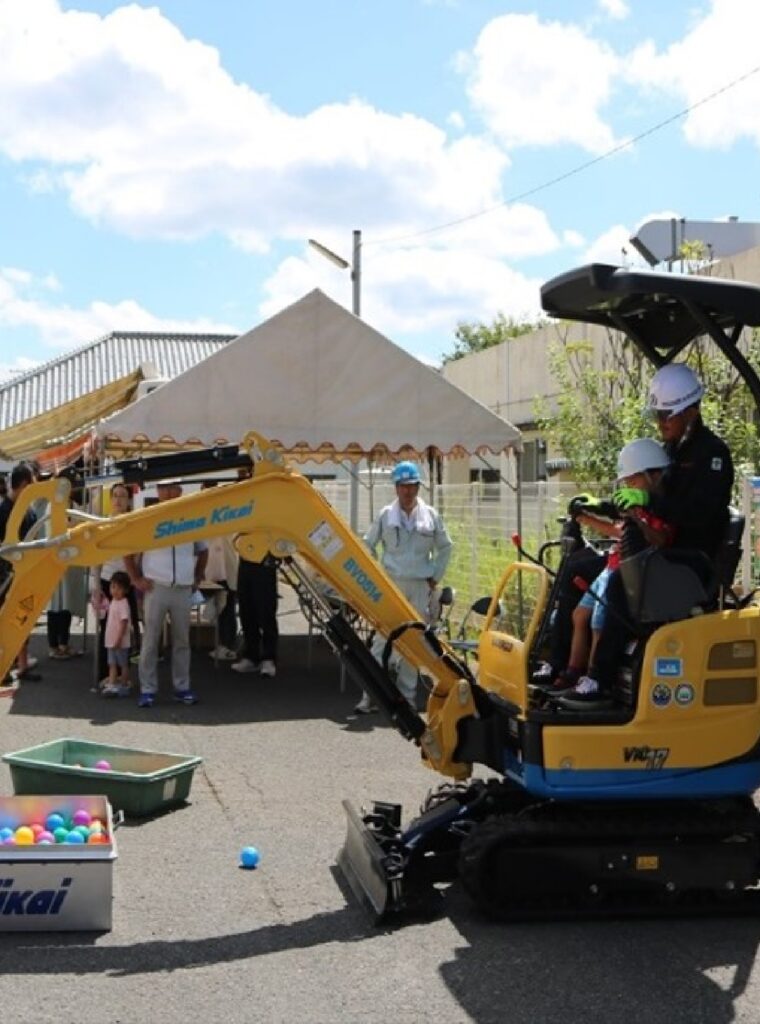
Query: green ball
point(61, 834)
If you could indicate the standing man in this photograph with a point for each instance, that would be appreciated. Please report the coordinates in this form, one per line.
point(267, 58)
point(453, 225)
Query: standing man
point(257, 599)
point(166, 577)
point(415, 553)
point(21, 476)
point(696, 491)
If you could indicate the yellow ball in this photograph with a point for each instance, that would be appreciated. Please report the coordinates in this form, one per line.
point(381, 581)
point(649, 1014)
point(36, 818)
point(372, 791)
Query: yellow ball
point(24, 836)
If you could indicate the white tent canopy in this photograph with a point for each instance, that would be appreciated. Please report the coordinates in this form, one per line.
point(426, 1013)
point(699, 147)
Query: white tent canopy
point(319, 382)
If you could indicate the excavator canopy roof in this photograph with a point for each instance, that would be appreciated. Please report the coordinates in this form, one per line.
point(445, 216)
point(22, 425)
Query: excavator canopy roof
point(660, 313)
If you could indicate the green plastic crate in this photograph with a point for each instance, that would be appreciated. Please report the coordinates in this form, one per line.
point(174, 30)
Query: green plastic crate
point(140, 782)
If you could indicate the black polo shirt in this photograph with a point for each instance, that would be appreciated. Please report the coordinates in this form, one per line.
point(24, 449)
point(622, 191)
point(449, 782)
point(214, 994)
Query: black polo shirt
point(6, 507)
point(695, 491)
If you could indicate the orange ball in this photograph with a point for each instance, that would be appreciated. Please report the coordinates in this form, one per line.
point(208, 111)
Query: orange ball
point(98, 837)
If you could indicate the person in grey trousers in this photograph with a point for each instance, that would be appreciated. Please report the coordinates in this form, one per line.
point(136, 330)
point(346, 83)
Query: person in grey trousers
point(166, 577)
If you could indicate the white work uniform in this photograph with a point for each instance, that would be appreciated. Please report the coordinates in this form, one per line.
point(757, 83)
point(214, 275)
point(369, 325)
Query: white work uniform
point(415, 548)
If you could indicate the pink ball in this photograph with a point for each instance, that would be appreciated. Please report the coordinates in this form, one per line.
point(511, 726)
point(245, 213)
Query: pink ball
point(82, 817)
point(45, 837)
point(103, 766)
point(37, 829)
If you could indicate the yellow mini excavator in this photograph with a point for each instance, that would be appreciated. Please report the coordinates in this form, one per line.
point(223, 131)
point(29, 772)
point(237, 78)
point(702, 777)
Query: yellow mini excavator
point(643, 805)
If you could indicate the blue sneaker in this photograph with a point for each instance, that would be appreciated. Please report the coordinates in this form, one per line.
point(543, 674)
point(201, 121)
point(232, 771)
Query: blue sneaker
point(146, 700)
point(185, 697)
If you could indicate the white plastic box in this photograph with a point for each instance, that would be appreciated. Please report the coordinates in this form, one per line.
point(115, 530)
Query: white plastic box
point(60, 887)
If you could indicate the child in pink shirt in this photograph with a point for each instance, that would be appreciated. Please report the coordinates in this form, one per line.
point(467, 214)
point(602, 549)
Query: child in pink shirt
point(117, 637)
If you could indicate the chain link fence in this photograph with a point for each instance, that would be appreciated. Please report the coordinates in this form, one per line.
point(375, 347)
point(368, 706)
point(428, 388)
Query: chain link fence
point(481, 519)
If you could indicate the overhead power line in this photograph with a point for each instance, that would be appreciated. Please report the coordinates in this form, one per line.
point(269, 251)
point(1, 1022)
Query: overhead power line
point(573, 171)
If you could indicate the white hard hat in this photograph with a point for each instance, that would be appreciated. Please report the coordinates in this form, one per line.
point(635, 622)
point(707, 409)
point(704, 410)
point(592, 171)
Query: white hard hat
point(674, 388)
point(639, 456)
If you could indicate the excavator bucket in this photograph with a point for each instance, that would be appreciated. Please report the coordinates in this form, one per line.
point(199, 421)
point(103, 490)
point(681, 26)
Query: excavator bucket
point(371, 860)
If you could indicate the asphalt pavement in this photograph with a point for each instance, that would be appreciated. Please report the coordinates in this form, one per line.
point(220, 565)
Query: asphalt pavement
point(197, 938)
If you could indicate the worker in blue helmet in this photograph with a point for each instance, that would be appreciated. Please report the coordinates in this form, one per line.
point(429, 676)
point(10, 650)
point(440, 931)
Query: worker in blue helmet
point(414, 550)
point(406, 473)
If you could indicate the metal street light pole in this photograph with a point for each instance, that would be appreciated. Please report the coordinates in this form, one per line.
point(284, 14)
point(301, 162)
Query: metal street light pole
point(355, 266)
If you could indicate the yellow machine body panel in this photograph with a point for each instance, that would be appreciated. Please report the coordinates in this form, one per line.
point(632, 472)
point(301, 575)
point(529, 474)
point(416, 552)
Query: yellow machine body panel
point(697, 701)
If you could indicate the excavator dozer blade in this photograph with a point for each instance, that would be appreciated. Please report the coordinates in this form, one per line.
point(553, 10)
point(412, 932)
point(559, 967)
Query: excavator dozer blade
point(375, 874)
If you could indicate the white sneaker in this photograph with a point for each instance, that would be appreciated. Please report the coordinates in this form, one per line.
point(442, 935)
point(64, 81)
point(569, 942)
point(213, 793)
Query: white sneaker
point(268, 668)
point(365, 706)
point(245, 665)
point(222, 653)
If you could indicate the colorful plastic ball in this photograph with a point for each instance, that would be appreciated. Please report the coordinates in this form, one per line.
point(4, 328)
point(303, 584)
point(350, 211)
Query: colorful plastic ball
point(97, 837)
point(81, 817)
point(74, 837)
point(45, 837)
point(5, 833)
point(37, 829)
point(61, 834)
point(103, 766)
point(24, 836)
point(54, 821)
point(83, 830)
point(96, 826)
point(249, 857)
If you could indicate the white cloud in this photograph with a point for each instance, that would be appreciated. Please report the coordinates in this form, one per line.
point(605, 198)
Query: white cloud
point(62, 326)
point(718, 49)
point(419, 289)
point(614, 246)
point(573, 238)
point(616, 9)
point(149, 135)
point(541, 83)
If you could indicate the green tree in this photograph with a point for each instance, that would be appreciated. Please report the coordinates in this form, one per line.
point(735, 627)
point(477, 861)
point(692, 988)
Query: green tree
point(476, 337)
point(600, 406)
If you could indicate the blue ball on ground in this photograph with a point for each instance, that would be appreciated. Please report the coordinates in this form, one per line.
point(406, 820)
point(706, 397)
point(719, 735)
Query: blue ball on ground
point(249, 857)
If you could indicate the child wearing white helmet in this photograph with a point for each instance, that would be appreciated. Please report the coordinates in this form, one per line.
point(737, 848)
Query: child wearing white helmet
point(640, 466)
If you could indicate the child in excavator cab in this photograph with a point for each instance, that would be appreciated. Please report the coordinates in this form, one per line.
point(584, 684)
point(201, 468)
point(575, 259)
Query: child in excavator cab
point(640, 466)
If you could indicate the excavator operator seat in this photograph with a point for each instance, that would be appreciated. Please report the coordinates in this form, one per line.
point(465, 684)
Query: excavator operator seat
point(662, 586)
point(666, 584)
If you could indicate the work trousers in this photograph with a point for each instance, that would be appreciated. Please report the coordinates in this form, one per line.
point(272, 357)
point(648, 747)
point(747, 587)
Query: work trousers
point(159, 602)
point(58, 629)
point(227, 622)
point(257, 602)
point(417, 592)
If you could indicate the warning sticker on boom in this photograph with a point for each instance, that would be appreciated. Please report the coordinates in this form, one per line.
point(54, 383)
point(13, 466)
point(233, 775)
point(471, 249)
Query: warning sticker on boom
point(326, 541)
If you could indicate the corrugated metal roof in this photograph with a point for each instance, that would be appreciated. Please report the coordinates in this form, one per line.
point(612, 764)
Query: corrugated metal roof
point(99, 363)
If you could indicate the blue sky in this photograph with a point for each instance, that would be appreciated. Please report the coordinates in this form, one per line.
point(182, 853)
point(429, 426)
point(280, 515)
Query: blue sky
point(162, 165)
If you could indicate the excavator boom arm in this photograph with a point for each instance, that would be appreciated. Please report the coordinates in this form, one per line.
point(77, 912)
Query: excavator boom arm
point(277, 512)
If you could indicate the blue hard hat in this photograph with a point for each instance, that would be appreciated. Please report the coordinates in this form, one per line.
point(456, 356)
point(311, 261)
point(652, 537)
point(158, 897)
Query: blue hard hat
point(406, 473)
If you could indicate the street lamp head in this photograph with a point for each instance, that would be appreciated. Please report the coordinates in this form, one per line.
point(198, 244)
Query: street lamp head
point(329, 254)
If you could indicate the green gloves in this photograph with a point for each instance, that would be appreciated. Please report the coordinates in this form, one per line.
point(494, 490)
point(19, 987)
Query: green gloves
point(581, 503)
point(631, 497)
point(587, 504)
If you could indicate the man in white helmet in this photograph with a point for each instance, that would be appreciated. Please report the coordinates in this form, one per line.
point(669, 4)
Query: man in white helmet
point(696, 491)
point(693, 498)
